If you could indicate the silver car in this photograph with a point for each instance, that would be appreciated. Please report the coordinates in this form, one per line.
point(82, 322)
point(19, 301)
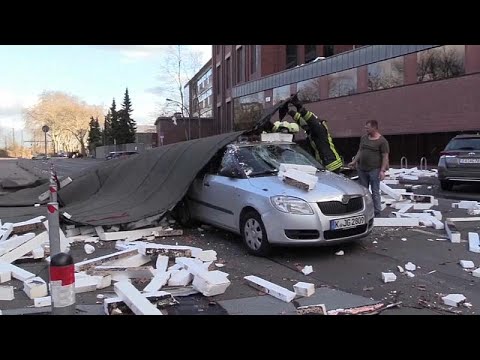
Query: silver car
point(240, 191)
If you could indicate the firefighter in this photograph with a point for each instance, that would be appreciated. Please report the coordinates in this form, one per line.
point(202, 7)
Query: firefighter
point(319, 140)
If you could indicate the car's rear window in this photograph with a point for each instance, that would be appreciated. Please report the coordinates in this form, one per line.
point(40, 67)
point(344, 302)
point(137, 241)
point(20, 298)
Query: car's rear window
point(464, 144)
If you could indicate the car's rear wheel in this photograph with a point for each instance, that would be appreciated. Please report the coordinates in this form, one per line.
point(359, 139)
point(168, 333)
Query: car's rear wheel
point(183, 215)
point(446, 185)
point(254, 234)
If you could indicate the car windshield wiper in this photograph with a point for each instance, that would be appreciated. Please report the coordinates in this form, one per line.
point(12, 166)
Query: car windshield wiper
point(266, 172)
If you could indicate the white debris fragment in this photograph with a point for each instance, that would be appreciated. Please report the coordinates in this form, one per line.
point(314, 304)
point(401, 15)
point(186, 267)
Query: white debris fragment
point(473, 242)
point(431, 272)
point(304, 289)
point(307, 270)
point(6, 293)
point(476, 273)
point(100, 296)
point(207, 255)
point(374, 242)
point(89, 249)
point(404, 239)
point(400, 269)
point(467, 264)
point(219, 265)
point(453, 299)
point(5, 276)
point(467, 305)
point(35, 287)
point(42, 301)
point(409, 274)
point(388, 277)
point(340, 253)
point(410, 266)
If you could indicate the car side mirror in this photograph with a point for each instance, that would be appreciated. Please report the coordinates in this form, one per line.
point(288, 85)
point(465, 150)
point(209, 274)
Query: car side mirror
point(231, 172)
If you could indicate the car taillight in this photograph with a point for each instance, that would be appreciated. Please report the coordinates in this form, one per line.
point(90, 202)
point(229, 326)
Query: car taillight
point(449, 153)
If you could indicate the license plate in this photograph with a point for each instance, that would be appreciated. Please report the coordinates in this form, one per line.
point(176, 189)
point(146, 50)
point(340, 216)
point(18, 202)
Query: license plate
point(347, 223)
point(469, 161)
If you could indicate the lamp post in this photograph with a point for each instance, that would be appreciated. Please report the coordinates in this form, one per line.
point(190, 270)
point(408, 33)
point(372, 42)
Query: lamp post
point(182, 107)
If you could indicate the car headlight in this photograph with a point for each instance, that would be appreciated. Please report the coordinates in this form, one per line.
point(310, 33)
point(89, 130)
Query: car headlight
point(292, 205)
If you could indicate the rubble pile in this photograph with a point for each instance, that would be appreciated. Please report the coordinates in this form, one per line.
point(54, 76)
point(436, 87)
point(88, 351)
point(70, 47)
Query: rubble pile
point(139, 258)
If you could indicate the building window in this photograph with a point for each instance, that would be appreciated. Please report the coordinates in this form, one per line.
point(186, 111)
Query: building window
point(219, 80)
point(218, 49)
point(248, 110)
point(342, 83)
point(309, 90)
point(253, 59)
point(228, 73)
point(386, 74)
point(328, 50)
point(310, 53)
point(441, 63)
point(240, 65)
point(281, 93)
point(291, 56)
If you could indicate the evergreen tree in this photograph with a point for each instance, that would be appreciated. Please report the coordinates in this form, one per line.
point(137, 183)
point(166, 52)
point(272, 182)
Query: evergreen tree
point(114, 122)
point(94, 134)
point(107, 134)
point(126, 125)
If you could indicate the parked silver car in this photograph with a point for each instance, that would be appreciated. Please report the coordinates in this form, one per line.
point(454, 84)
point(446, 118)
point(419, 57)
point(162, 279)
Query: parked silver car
point(239, 191)
point(460, 161)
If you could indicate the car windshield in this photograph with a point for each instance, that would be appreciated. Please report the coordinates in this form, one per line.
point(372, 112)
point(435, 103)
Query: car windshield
point(464, 144)
point(265, 159)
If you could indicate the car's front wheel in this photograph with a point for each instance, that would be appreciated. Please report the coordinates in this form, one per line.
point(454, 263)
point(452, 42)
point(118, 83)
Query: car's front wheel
point(254, 234)
point(446, 185)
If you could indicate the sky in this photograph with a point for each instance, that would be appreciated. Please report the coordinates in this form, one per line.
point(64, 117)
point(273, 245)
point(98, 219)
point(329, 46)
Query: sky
point(94, 73)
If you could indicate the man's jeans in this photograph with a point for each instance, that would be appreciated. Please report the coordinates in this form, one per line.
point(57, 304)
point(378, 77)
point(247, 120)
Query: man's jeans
point(370, 178)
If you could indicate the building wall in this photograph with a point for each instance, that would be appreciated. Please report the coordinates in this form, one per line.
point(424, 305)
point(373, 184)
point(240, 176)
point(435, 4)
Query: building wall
point(172, 133)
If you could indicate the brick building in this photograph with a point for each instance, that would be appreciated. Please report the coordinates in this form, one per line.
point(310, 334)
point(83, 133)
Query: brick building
point(422, 95)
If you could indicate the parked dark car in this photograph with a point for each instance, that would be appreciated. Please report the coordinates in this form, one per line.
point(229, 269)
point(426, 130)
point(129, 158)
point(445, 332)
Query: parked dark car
point(460, 161)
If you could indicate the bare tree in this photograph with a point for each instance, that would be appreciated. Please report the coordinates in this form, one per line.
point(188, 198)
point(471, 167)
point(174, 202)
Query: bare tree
point(66, 115)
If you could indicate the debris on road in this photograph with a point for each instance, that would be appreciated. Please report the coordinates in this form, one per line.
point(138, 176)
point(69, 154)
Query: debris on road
point(400, 269)
point(6, 293)
point(410, 266)
point(473, 242)
point(307, 270)
point(318, 309)
point(340, 253)
point(388, 277)
point(89, 249)
point(409, 274)
point(453, 299)
point(476, 273)
point(304, 289)
point(467, 264)
point(270, 288)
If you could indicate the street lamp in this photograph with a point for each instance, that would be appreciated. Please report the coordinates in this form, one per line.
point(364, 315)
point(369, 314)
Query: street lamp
point(182, 107)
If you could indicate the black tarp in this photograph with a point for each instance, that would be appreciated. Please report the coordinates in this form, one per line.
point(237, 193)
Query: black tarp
point(126, 190)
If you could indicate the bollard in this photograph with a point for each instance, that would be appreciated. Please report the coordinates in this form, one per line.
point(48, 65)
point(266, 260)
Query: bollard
point(53, 228)
point(53, 192)
point(62, 284)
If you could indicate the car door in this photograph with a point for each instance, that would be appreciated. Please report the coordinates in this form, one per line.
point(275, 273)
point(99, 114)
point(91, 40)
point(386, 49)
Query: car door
point(214, 197)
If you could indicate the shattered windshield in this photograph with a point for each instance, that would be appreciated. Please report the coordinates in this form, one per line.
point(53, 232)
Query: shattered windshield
point(262, 159)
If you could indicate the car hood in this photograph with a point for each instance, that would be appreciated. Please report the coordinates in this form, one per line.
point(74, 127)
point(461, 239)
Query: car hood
point(329, 187)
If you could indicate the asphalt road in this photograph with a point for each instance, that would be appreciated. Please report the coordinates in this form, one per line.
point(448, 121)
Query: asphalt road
point(358, 271)
point(64, 166)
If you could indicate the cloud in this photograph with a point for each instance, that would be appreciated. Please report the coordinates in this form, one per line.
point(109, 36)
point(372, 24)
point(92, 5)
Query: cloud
point(11, 106)
point(134, 53)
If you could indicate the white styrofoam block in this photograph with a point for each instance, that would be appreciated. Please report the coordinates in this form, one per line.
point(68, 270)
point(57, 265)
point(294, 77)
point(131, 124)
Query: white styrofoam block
point(35, 287)
point(210, 283)
point(42, 301)
point(89, 249)
point(467, 264)
point(85, 284)
point(5, 276)
point(38, 253)
point(304, 289)
point(420, 206)
point(389, 191)
point(476, 272)
point(409, 274)
point(5, 231)
point(157, 282)
point(400, 269)
point(453, 299)
point(270, 288)
point(307, 270)
point(136, 301)
point(17, 273)
point(396, 222)
point(207, 255)
point(302, 177)
point(435, 213)
point(410, 266)
point(452, 232)
point(86, 230)
point(180, 278)
point(175, 267)
point(388, 277)
point(161, 263)
point(6, 293)
point(473, 242)
point(72, 232)
point(131, 261)
point(312, 170)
